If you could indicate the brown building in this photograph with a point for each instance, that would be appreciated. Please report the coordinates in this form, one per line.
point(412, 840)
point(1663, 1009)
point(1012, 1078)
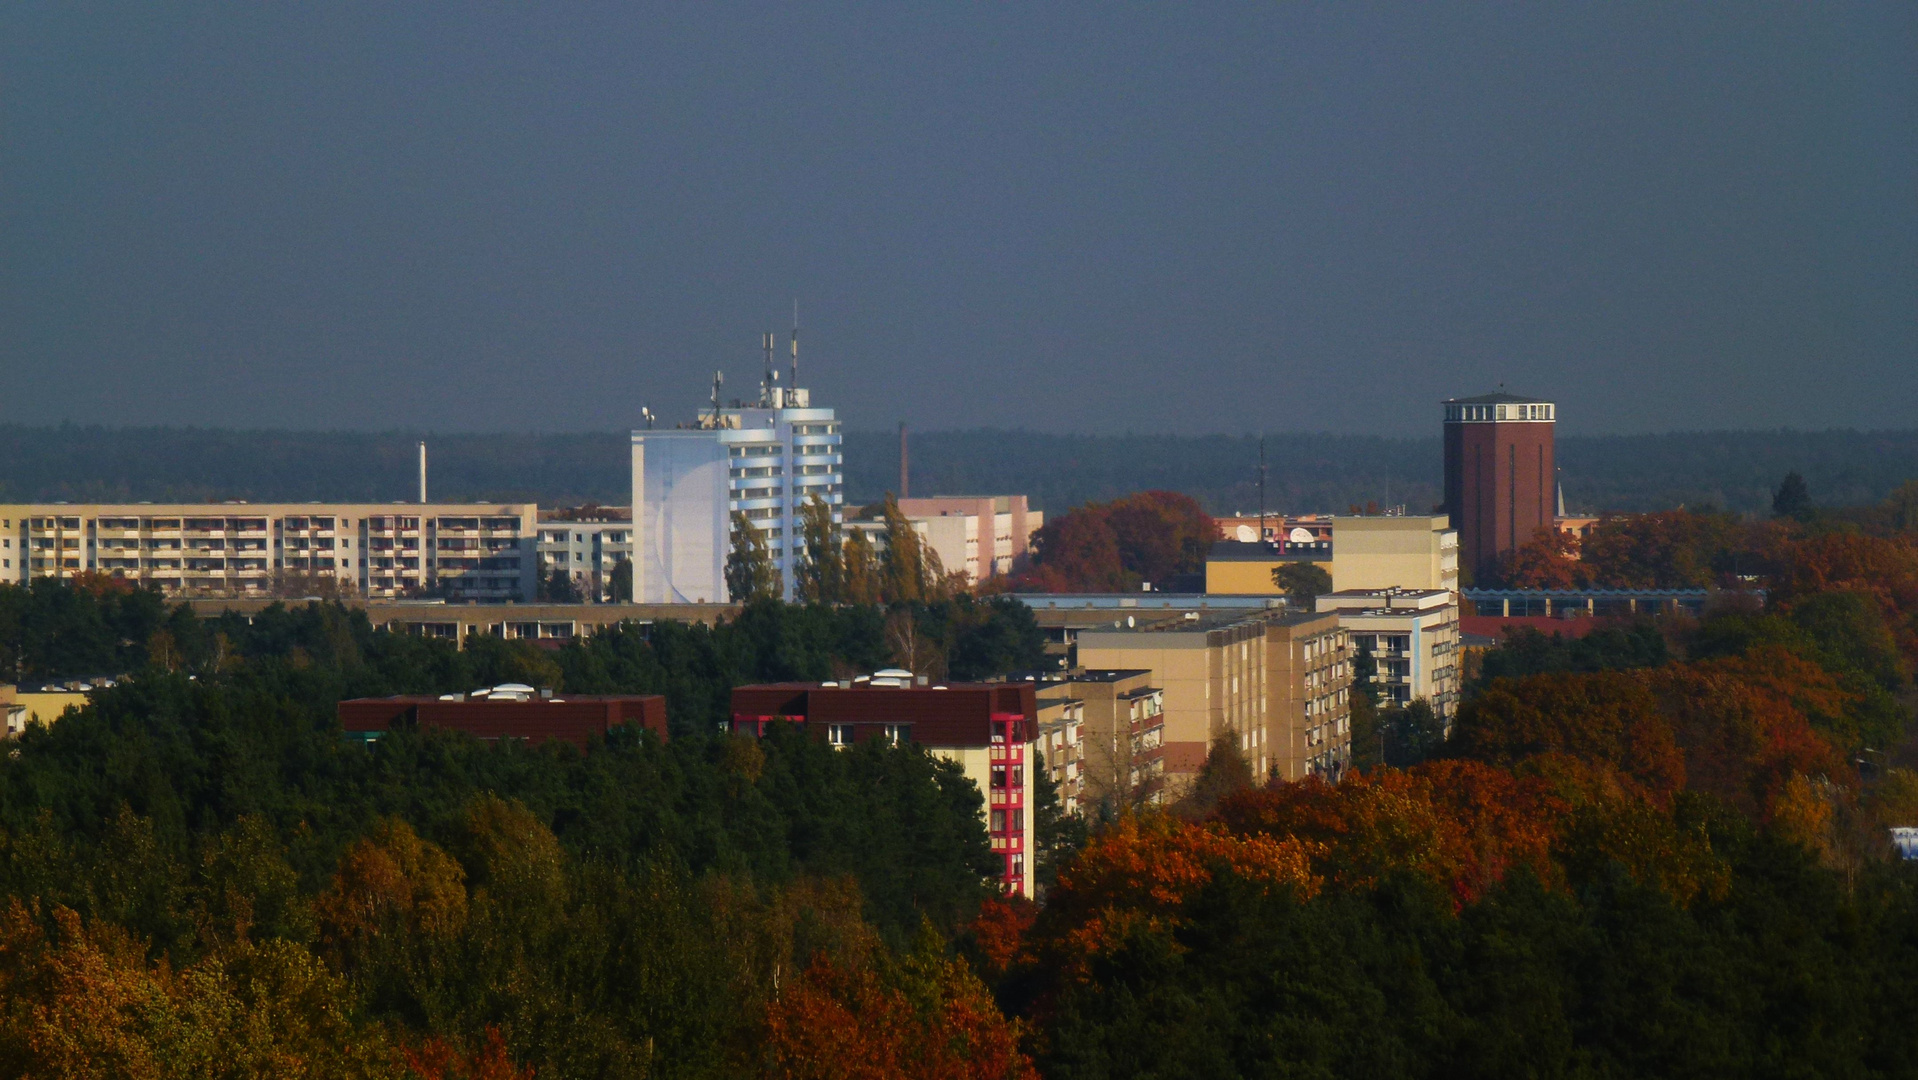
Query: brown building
point(1308, 676)
point(512, 711)
point(988, 729)
point(1500, 477)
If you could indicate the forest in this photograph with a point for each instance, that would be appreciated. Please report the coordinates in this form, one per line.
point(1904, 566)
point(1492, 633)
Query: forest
point(1660, 849)
point(1321, 472)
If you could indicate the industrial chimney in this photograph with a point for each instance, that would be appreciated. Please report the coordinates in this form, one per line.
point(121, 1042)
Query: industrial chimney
point(904, 474)
point(422, 473)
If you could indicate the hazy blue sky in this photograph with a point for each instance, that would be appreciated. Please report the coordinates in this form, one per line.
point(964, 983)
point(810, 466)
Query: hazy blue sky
point(1162, 217)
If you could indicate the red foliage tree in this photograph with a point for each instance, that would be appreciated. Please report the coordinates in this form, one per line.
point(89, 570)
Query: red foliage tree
point(1112, 547)
point(1608, 718)
point(845, 1023)
point(1461, 825)
point(1549, 560)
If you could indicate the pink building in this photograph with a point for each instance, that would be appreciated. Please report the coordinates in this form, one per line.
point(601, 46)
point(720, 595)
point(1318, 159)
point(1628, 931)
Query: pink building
point(997, 535)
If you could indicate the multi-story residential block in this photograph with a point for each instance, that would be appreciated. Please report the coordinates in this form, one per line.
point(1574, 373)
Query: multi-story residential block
point(1060, 747)
point(478, 551)
point(1123, 758)
point(984, 536)
point(764, 461)
point(1212, 669)
point(1308, 679)
point(990, 730)
point(1501, 479)
point(586, 549)
point(1413, 636)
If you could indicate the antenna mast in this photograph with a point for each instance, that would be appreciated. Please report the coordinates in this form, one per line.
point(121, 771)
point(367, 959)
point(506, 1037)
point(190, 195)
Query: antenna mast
point(1262, 491)
point(795, 382)
point(719, 379)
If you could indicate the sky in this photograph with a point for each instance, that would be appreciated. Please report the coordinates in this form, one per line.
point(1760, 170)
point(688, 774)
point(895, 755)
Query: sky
point(1069, 218)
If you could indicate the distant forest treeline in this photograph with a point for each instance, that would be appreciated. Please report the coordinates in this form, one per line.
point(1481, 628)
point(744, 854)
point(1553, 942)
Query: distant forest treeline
point(1734, 470)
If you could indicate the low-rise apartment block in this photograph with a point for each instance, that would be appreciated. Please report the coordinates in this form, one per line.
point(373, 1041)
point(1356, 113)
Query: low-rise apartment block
point(476, 551)
point(1414, 637)
point(990, 730)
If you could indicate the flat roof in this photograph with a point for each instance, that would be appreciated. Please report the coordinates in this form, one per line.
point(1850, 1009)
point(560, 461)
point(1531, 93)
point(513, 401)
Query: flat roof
point(1499, 398)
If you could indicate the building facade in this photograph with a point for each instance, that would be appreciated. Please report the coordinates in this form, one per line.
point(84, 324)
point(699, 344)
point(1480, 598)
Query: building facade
point(1399, 551)
point(469, 551)
point(1308, 680)
point(1059, 749)
point(1501, 478)
point(588, 552)
point(1212, 671)
point(511, 711)
point(989, 730)
point(764, 461)
point(994, 539)
point(1413, 636)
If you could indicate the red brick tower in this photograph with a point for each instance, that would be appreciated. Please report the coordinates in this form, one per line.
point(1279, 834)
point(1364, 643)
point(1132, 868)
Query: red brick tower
point(1500, 479)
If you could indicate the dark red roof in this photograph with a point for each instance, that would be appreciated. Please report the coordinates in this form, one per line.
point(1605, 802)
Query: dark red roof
point(958, 715)
point(573, 718)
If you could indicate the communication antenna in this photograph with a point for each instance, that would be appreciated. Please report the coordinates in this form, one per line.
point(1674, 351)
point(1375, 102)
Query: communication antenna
point(719, 379)
point(772, 374)
point(1262, 492)
point(646, 414)
point(795, 382)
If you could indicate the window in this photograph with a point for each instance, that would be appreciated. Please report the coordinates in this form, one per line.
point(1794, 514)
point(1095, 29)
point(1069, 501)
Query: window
point(1019, 776)
point(999, 777)
point(898, 734)
point(1018, 820)
point(839, 734)
point(999, 821)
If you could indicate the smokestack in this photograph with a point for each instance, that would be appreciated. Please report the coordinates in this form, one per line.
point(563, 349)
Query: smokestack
point(422, 473)
point(904, 475)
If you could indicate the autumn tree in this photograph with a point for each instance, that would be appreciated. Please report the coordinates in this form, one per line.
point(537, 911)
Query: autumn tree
point(750, 573)
point(822, 565)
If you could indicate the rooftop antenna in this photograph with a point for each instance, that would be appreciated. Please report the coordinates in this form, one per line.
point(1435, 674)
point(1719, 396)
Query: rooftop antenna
point(646, 414)
point(771, 381)
point(795, 382)
point(1262, 490)
point(719, 379)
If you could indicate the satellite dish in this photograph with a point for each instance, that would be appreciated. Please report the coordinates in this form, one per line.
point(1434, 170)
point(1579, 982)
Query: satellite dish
point(1245, 535)
point(1301, 536)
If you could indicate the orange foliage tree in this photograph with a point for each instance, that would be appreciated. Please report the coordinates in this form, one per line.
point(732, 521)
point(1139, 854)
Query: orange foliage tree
point(1549, 560)
point(1461, 825)
point(1608, 717)
point(1135, 878)
point(938, 1022)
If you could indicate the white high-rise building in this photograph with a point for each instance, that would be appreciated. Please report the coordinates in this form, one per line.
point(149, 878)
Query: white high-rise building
point(764, 460)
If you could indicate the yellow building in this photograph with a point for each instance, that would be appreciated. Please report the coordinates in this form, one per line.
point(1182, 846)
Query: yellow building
point(1245, 569)
point(1416, 551)
point(1211, 669)
point(1308, 679)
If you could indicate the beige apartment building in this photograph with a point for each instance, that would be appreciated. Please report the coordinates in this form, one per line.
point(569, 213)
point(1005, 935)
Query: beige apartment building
point(1308, 679)
point(1414, 551)
point(1212, 670)
point(982, 535)
point(1061, 742)
point(1413, 635)
point(476, 551)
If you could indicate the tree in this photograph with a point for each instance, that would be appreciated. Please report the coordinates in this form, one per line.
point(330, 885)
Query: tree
point(1225, 773)
point(1303, 583)
point(1161, 534)
point(620, 582)
point(750, 573)
point(1549, 560)
point(1412, 733)
point(864, 582)
point(822, 565)
point(910, 569)
point(1057, 836)
point(1792, 498)
point(559, 588)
